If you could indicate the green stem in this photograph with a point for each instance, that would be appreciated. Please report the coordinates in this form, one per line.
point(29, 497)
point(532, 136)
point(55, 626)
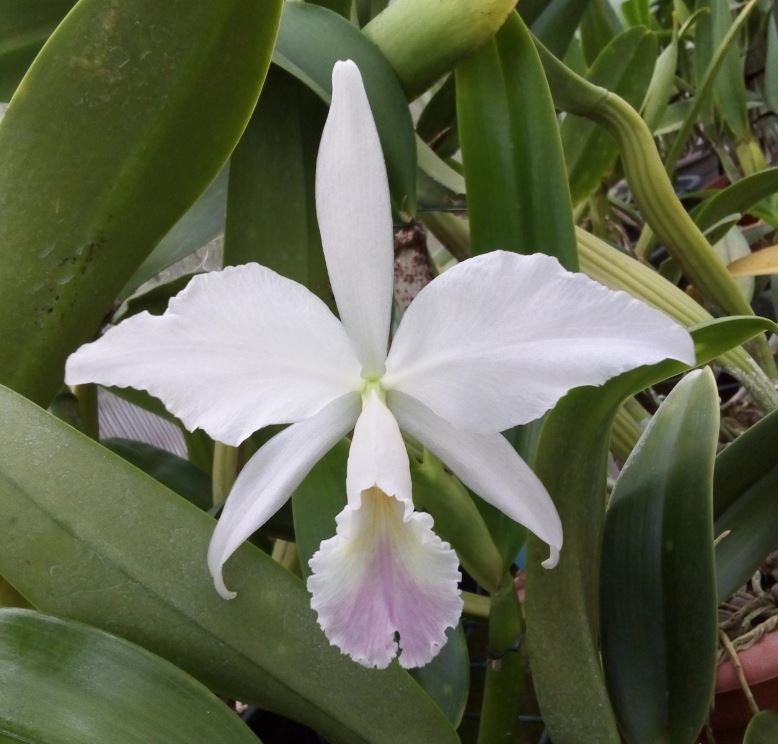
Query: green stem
point(476, 605)
point(505, 670)
point(88, 410)
point(225, 470)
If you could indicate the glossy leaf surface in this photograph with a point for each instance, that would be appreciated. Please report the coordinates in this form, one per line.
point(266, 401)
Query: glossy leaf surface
point(24, 27)
point(104, 146)
point(271, 217)
point(562, 607)
point(658, 636)
point(745, 484)
point(625, 67)
point(516, 180)
point(310, 41)
point(89, 537)
point(67, 682)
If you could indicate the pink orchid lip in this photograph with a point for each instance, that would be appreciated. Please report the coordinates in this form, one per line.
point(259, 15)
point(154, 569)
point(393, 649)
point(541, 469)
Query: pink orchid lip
point(386, 583)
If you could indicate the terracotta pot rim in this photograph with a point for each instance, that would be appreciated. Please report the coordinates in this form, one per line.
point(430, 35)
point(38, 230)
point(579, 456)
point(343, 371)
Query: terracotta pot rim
point(760, 663)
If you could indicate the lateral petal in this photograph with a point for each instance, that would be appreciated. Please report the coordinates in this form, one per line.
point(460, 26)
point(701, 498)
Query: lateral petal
point(498, 339)
point(384, 574)
point(488, 465)
point(236, 350)
point(355, 217)
point(270, 477)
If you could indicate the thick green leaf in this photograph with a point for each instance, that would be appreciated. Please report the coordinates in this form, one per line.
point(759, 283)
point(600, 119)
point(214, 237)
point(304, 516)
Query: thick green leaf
point(310, 41)
point(562, 607)
point(92, 538)
point(763, 728)
point(315, 504)
point(201, 224)
point(317, 501)
point(104, 146)
point(446, 679)
point(156, 300)
point(177, 474)
point(343, 7)
point(745, 484)
point(738, 198)
point(729, 90)
point(553, 21)
point(516, 181)
point(437, 124)
point(599, 25)
point(662, 84)
point(24, 27)
point(658, 592)
point(66, 682)
point(625, 67)
point(271, 215)
point(771, 62)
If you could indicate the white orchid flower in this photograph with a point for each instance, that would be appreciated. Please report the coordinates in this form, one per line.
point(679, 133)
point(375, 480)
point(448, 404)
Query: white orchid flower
point(493, 342)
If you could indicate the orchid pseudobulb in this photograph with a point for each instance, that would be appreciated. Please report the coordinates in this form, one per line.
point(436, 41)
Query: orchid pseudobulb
point(493, 342)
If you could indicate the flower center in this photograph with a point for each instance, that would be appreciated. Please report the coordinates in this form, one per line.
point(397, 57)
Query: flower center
point(371, 386)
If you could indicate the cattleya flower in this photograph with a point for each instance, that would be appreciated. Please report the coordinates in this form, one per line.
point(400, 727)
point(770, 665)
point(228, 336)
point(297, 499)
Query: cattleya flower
point(491, 343)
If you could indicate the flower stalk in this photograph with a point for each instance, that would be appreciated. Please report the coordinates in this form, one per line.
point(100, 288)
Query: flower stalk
point(505, 667)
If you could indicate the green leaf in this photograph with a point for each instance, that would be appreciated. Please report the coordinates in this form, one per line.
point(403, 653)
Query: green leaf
point(637, 12)
point(66, 682)
point(343, 7)
point(599, 25)
point(437, 124)
point(201, 224)
point(763, 728)
point(625, 67)
point(156, 300)
point(737, 198)
point(96, 168)
point(315, 504)
point(658, 593)
point(446, 679)
point(745, 484)
point(516, 181)
point(310, 41)
point(554, 21)
point(562, 607)
point(317, 501)
point(729, 90)
point(662, 84)
point(90, 537)
point(771, 62)
point(24, 27)
point(271, 213)
point(177, 474)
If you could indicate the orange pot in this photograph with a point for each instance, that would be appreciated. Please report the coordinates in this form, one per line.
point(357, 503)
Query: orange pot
point(731, 713)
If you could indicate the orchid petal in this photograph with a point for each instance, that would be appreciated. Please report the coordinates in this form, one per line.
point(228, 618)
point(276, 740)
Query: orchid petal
point(355, 217)
point(270, 477)
point(385, 573)
point(235, 351)
point(488, 465)
point(498, 339)
point(377, 456)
